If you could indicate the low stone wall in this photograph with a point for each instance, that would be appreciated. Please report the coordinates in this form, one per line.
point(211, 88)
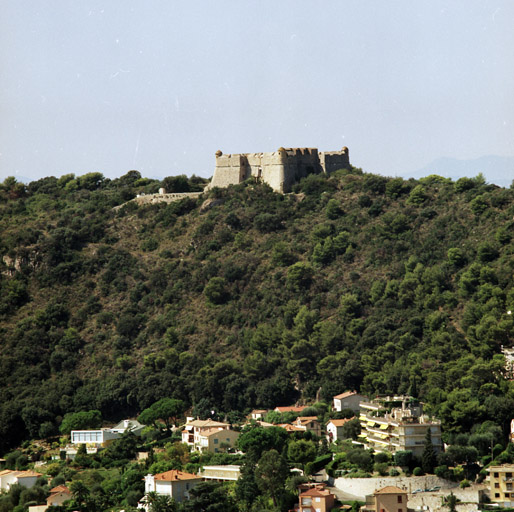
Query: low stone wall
point(160, 198)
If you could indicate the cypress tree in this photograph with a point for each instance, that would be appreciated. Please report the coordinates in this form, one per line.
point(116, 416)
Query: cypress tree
point(428, 458)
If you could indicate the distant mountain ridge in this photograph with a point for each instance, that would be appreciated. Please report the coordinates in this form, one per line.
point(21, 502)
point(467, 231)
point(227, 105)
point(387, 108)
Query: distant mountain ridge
point(496, 169)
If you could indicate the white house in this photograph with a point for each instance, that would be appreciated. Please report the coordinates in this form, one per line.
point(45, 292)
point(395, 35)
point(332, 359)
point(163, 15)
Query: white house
point(128, 426)
point(98, 438)
point(334, 429)
point(9, 477)
point(348, 400)
point(194, 430)
point(173, 483)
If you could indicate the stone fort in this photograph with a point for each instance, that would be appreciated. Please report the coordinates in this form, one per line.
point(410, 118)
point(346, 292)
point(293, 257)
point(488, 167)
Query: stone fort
point(280, 169)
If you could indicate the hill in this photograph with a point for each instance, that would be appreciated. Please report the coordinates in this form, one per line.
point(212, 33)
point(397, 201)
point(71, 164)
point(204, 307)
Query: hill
point(496, 169)
point(247, 298)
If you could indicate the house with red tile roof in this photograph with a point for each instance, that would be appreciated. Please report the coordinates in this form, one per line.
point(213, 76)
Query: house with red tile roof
point(174, 483)
point(315, 499)
point(387, 499)
point(291, 408)
point(348, 400)
point(334, 429)
point(310, 423)
point(58, 495)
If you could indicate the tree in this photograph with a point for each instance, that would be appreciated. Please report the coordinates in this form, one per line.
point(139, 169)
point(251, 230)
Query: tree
point(428, 457)
point(80, 494)
point(299, 276)
point(209, 497)
point(352, 429)
point(403, 458)
point(333, 211)
point(271, 474)
point(301, 451)
point(417, 196)
point(215, 290)
point(254, 441)
point(451, 502)
point(80, 421)
point(160, 503)
point(176, 184)
point(246, 486)
point(168, 410)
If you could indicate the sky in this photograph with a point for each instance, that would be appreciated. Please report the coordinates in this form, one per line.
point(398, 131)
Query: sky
point(160, 85)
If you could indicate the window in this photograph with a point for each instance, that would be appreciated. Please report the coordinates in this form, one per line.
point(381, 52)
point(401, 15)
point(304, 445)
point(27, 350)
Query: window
point(496, 494)
point(400, 510)
point(508, 475)
point(216, 441)
point(317, 500)
point(496, 475)
point(399, 499)
point(496, 485)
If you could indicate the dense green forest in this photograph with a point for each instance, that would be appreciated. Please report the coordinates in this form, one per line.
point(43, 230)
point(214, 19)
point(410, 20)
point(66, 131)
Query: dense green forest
point(247, 298)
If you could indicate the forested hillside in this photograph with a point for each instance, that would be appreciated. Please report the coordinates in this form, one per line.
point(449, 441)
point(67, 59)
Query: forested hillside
point(247, 298)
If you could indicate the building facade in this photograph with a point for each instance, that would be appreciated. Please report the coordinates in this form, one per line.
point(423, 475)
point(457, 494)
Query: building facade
point(280, 169)
point(396, 424)
point(173, 483)
point(348, 400)
point(501, 484)
point(387, 499)
point(315, 499)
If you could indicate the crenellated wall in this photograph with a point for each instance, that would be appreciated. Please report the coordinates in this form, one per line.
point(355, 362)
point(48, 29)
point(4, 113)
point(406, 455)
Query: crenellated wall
point(280, 169)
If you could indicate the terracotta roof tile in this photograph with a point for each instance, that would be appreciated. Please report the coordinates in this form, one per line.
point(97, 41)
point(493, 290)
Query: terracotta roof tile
point(346, 394)
point(60, 488)
point(390, 489)
point(291, 408)
point(174, 475)
point(339, 423)
point(316, 492)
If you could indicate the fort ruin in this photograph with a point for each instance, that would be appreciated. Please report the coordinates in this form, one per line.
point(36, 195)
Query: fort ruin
point(280, 169)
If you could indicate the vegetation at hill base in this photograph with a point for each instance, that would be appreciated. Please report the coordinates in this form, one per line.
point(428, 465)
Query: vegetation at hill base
point(255, 299)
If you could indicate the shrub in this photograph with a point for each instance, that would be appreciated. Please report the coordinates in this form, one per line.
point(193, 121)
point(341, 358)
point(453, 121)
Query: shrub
point(417, 196)
point(333, 210)
point(417, 471)
point(282, 255)
point(215, 291)
point(299, 276)
point(267, 222)
point(381, 468)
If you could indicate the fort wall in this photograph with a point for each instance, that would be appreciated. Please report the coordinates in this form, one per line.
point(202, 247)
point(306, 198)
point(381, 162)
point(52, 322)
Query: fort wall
point(280, 169)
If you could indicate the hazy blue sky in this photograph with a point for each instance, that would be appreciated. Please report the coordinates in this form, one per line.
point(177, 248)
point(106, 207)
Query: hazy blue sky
point(160, 85)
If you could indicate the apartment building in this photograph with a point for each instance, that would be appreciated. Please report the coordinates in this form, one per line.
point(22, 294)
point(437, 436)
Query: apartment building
point(397, 423)
point(501, 484)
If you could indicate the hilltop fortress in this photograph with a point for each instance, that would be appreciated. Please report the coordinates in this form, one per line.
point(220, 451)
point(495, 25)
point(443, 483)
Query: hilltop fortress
point(280, 169)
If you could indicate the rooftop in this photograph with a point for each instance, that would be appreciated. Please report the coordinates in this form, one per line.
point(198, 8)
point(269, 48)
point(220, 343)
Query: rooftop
point(390, 489)
point(206, 423)
point(346, 394)
point(339, 423)
point(291, 408)
point(174, 475)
